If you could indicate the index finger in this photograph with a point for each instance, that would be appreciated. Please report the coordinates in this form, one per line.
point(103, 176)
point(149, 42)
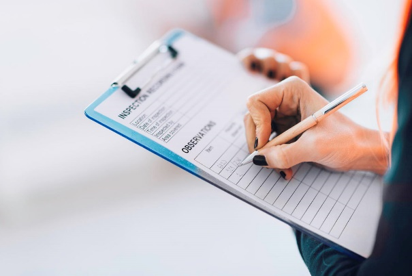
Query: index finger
point(263, 105)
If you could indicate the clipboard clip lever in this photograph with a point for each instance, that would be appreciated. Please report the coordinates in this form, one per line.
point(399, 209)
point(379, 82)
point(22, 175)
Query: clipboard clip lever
point(155, 49)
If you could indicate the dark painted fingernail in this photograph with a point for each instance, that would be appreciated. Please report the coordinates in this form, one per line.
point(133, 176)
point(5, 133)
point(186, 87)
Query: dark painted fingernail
point(260, 160)
point(283, 174)
point(256, 143)
point(273, 126)
point(271, 74)
point(253, 65)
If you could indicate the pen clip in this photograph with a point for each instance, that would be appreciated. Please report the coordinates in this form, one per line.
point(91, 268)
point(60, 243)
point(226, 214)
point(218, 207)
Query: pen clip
point(343, 99)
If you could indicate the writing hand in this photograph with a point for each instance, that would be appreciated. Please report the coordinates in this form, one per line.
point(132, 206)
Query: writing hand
point(337, 142)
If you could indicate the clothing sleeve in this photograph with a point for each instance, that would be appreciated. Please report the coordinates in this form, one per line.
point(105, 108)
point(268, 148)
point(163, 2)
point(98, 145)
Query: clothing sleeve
point(323, 260)
point(392, 250)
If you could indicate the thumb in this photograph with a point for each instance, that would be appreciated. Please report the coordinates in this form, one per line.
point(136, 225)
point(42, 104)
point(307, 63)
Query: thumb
point(284, 156)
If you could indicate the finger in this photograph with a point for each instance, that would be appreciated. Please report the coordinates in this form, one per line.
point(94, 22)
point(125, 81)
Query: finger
point(262, 106)
point(269, 67)
point(300, 70)
point(285, 173)
point(249, 60)
point(262, 119)
point(243, 54)
point(284, 95)
point(283, 69)
point(250, 132)
point(267, 60)
point(285, 156)
point(288, 174)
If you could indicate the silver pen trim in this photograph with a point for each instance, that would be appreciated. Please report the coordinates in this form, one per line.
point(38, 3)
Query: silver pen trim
point(341, 100)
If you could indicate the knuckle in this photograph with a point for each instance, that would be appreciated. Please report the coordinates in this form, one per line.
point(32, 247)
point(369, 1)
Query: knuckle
point(282, 58)
point(270, 62)
point(314, 139)
point(251, 101)
point(295, 80)
point(245, 53)
point(282, 157)
point(263, 53)
point(296, 65)
point(278, 158)
point(311, 140)
point(298, 83)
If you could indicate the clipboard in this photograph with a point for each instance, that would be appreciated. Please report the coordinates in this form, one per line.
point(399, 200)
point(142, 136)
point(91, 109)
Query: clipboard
point(161, 46)
point(134, 89)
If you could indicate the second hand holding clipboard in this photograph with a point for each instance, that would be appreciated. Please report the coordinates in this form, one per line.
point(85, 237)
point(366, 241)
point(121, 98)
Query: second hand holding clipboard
point(184, 100)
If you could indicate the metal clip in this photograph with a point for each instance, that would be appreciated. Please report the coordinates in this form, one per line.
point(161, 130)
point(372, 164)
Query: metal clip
point(155, 49)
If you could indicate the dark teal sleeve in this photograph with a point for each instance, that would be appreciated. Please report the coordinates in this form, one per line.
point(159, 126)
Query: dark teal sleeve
point(393, 246)
point(323, 260)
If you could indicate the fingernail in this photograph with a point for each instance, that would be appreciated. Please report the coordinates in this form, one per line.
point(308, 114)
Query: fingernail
point(271, 74)
point(283, 174)
point(256, 143)
point(253, 65)
point(260, 160)
point(273, 126)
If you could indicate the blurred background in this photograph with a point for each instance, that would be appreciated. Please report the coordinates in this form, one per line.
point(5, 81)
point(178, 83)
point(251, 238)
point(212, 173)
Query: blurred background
point(77, 199)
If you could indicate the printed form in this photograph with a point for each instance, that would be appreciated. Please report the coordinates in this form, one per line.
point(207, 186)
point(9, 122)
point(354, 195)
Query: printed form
point(195, 106)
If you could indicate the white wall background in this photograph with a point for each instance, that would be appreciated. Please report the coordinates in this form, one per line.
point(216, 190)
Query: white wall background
point(77, 199)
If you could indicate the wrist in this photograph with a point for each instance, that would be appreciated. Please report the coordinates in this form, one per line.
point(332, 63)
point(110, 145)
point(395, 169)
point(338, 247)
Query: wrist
point(373, 153)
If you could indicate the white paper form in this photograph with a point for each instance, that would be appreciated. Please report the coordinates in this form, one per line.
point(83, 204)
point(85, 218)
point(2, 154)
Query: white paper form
point(195, 108)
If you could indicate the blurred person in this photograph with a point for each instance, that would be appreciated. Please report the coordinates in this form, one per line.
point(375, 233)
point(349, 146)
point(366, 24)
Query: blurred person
point(307, 31)
point(340, 144)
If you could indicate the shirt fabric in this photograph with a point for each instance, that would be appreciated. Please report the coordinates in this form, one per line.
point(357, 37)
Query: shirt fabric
point(392, 250)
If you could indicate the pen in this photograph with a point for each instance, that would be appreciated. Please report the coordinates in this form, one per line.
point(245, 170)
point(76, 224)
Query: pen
point(312, 120)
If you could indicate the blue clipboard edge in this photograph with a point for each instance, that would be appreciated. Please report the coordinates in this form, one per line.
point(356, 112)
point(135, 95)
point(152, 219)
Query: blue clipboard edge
point(175, 159)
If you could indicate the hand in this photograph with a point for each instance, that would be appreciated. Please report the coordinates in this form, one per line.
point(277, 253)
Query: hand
point(337, 142)
point(272, 64)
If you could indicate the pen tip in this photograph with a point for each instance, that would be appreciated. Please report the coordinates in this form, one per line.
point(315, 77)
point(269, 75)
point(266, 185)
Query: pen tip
point(244, 162)
point(249, 158)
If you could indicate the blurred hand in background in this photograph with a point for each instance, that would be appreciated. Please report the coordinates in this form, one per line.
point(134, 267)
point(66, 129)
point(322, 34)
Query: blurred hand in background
point(307, 31)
